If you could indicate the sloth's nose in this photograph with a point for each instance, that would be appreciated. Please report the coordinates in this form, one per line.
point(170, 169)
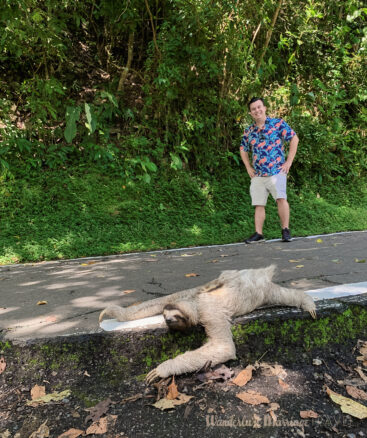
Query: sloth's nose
point(169, 319)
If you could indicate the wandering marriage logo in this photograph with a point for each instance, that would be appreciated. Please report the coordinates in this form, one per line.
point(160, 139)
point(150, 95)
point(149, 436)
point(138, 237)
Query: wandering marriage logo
point(266, 421)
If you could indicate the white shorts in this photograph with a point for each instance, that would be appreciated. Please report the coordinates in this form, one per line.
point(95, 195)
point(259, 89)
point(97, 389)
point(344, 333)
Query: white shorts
point(261, 186)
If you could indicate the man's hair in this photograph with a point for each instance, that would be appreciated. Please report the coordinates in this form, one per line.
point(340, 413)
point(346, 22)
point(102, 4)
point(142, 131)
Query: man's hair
point(255, 99)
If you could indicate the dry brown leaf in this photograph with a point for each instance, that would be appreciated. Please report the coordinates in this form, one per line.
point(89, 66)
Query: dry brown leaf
point(273, 407)
point(356, 393)
point(164, 403)
point(347, 405)
point(192, 274)
point(308, 414)
point(101, 426)
point(2, 364)
point(71, 433)
point(361, 373)
point(38, 392)
point(54, 396)
point(283, 384)
point(42, 432)
point(128, 291)
point(41, 303)
point(131, 399)
point(244, 376)
point(88, 263)
point(98, 410)
point(252, 398)
point(273, 370)
point(363, 349)
point(219, 373)
point(172, 390)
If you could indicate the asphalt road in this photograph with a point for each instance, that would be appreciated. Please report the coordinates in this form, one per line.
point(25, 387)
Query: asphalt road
point(75, 291)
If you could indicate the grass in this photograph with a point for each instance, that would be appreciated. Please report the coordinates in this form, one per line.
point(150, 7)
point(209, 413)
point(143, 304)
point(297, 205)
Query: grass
point(68, 214)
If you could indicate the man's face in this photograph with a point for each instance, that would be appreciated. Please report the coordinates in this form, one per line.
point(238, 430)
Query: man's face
point(258, 110)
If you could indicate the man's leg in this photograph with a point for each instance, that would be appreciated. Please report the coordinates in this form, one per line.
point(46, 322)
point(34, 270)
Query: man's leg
point(259, 218)
point(283, 211)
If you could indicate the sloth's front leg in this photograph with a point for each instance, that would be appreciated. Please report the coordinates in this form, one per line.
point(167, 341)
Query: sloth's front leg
point(215, 352)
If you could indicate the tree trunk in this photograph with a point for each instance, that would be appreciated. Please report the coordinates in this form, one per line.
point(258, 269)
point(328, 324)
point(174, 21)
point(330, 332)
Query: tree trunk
point(125, 71)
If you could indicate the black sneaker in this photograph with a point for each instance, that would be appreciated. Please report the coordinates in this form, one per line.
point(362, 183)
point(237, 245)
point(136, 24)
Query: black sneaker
point(256, 237)
point(286, 235)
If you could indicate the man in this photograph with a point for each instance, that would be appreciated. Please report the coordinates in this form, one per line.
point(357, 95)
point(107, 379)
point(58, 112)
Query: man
point(268, 171)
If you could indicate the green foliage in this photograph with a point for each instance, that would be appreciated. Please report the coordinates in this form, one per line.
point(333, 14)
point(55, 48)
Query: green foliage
point(134, 90)
point(72, 213)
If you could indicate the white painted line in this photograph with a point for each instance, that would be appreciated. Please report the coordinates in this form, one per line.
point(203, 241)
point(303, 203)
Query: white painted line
point(341, 290)
point(111, 325)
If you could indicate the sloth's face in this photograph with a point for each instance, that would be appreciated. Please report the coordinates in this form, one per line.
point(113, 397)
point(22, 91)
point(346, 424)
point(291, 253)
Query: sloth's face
point(175, 319)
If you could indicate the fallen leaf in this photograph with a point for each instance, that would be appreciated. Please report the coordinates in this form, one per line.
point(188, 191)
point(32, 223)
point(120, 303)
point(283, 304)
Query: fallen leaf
point(273, 407)
point(300, 266)
point(54, 396)
point(361, 373)
point(363, 348)
point(88, 263)
point(308, 414)
point(71, 433)
point(192, 275)
point(96, 412)
point(131, 399)
point(244, 376)
point(273, 370)
point(86, 374)
point(2, 364)
point(356, 393)
point(38, 391)
point(360, 260)
point(252, 398)
point(101, 426)
point(213, 261)
point(164, 403)
point(347, 405)
point(5, 434)
point(336, 261)
point(172, 390)
point(42, 432)
point(219, 373)
point(41, 303)
point(283, 384)
point(319, 240)
point(128, 291)
point(317, 362)
point(295, 261)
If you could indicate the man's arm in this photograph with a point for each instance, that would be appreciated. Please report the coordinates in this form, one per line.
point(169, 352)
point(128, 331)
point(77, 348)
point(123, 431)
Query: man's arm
point(293, 144)
point(246, 162)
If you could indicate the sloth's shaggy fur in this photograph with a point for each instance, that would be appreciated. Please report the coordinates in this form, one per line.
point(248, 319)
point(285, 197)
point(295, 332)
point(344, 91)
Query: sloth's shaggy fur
point(232, 294)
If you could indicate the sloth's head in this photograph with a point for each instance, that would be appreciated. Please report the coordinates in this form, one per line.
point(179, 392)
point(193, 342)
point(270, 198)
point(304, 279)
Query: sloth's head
point(176, 318)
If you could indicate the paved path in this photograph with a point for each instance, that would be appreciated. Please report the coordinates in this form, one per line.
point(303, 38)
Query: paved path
point(76, 290)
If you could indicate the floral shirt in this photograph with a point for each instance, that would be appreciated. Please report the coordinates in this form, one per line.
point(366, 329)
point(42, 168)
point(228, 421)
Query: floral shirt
point(267, 145)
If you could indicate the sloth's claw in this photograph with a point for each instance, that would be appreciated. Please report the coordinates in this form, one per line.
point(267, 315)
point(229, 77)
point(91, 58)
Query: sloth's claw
point(151, 376)
point(313, 313)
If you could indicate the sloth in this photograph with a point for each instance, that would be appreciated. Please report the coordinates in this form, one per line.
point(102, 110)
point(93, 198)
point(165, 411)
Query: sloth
point(233, 293)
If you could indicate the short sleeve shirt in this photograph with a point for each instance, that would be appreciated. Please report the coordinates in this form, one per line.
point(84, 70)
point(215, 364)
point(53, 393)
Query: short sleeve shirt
point(267, 145)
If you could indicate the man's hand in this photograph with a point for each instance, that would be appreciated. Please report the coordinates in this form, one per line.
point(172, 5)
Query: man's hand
point(251, 172)
point(285, 167)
